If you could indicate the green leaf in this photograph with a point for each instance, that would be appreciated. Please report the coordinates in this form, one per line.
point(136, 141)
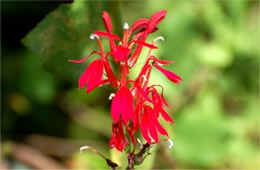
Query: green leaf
point(201, 133)
point(64, 34)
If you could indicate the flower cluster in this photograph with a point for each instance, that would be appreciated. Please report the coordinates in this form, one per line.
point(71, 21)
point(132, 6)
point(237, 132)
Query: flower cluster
point(136, 104)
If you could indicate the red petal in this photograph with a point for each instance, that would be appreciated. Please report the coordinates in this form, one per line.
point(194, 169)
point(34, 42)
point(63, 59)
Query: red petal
point(123, 104)
point(128, 105)
point(154, 29)
point(108, 24)
point(121, 53)
point(145, 44)
point(166, 116)
point(115, 107)
point(105, 34)
point(139, 24)
point(144, 128)
point(136, 37)
point(107, 21)
point(164, 62)
point(132, 138)
point(140, 90)
point(160, 128)
point(85, 58)
point(162, 96)
point(155, 19)
point(164, 101)
point(150, 114)
point(92, 75)
point(118, 139)
point(99, 84)
point(121, 137)
point(170, 75)
point(96, 72)
point(85, 76)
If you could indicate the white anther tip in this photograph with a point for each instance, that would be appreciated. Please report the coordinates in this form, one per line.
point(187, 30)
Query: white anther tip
point(171, 144)
point(111, 96)
point(140, 143)
point(144, 78)
point(159, 38)
point(93, 36)
point(83, 148)
point(122, 62)
point(126, 26)
point(159, 64)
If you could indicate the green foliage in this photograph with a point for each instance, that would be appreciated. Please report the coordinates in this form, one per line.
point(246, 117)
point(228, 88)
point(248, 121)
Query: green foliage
point(64, 34)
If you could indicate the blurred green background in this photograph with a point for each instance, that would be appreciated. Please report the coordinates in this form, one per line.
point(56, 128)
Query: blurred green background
point(45, 118)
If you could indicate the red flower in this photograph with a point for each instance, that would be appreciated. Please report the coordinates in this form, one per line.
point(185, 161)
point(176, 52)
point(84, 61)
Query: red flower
point(107, 21)
point(170, 75)
point(149, 28)
point(155, 19)
point(150, 126)
point(123, 106)
point(118, 139)
point(121, 53)
point(139, 25)
point(158, 102)
point(92, 75)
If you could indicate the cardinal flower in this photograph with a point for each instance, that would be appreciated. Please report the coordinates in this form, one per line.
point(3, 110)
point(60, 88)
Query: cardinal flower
point(137, 104)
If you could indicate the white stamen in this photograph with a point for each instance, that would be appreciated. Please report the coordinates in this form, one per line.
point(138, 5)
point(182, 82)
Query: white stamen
point(130, 64)
point(126, 26)
point(140, 143)
point(133, 93)
point(159, 38)
point(122, 62)
point(111, 96)
point(93, 36)
point(159, 64)
point(82, 148)
point(171, 144)
point(144, 78)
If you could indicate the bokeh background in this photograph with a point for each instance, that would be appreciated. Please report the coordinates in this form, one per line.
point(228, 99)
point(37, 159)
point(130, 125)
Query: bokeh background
point(45, 118)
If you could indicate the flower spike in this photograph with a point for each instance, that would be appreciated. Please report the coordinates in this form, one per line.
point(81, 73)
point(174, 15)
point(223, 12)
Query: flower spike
point(136, 105)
